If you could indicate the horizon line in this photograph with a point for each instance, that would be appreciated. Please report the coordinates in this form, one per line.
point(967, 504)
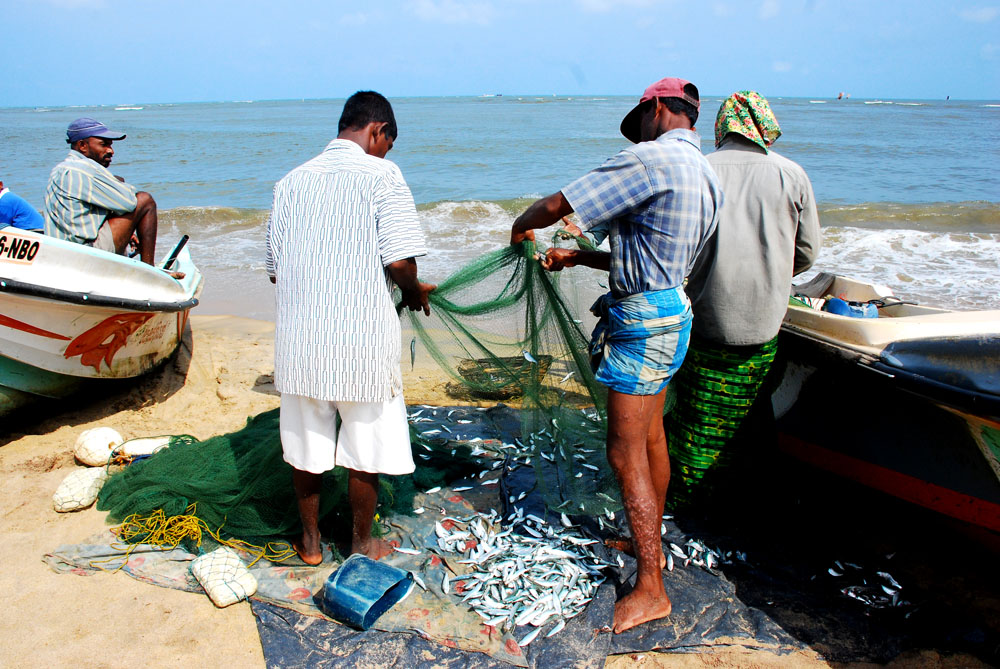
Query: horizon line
point(485, 96)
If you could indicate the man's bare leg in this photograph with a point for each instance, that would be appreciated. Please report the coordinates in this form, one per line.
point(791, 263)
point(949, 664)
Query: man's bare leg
point(307, 490)
point(659, 456)
point(659, 470)
point(629, 449)
point(362, 491)
point(143, 221)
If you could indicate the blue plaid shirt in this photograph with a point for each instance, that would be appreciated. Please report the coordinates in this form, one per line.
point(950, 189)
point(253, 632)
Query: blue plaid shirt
point(662, 202)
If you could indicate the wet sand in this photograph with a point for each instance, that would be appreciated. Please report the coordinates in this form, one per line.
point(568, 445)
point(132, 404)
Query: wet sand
point(222, 374)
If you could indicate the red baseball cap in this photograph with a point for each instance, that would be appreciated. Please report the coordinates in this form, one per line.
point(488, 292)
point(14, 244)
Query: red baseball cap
point(671, 87)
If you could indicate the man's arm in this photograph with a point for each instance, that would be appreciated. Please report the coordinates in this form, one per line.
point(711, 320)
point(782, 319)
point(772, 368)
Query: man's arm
point(541, 214)
point(556, 259)
point(415, 294)
point(99, 188)
point(808, 237)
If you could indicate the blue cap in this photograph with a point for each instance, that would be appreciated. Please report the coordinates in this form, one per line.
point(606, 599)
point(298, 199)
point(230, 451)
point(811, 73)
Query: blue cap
point(82, 128)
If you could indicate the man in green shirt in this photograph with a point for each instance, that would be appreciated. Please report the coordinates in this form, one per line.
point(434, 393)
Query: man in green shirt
point(87, 204)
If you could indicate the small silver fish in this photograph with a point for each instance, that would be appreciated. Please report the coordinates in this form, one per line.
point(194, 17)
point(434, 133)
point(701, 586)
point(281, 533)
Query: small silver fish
point(405, 551)
point(529, 637)
point(432, 490)
point(527, 356)
point(888, 577)
point(564, 380)
point(413, 352)
point(461, 488)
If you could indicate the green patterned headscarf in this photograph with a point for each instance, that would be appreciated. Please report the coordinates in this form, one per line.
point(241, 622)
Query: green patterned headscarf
point(747, 113)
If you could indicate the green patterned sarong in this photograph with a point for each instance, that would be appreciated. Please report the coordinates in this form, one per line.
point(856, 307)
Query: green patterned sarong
point(715, 390)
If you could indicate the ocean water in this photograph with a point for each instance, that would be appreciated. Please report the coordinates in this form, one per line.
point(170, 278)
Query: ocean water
point(909, 191)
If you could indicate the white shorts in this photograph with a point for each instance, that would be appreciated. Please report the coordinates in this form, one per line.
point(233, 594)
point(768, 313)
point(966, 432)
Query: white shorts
point(374, 436)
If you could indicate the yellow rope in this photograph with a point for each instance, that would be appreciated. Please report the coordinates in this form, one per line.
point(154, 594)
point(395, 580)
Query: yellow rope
point(168, 532)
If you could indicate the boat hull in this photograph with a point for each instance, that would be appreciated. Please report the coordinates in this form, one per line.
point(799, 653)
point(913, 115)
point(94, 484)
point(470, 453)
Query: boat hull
point(841, 415)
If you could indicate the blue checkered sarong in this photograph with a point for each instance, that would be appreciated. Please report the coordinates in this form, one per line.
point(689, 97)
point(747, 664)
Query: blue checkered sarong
point(641, 340)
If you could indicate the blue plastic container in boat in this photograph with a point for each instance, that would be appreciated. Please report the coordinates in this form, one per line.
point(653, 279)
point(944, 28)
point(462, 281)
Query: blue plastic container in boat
point(362, 589)
point(835, 305)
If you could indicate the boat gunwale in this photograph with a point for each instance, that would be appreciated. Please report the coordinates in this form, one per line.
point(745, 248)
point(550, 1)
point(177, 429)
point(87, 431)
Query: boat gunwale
point(74, 297)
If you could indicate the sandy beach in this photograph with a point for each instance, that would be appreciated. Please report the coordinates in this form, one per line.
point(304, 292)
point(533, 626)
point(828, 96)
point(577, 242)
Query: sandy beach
point(221, 375)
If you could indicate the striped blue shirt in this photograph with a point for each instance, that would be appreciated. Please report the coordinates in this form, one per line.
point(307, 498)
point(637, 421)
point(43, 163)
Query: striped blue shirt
point(80, 195)
point(336, 222)
point(661, 199)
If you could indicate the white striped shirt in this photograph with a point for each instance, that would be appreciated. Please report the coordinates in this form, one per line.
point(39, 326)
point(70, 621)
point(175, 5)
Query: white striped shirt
point(336, 222)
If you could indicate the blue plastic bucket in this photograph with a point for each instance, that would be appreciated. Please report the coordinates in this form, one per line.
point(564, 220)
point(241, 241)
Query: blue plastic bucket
point(362, 589)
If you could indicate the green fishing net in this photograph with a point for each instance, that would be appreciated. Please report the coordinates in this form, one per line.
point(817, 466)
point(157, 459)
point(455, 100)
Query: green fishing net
point(503, 328)
point(241, 483)
point(504, 331)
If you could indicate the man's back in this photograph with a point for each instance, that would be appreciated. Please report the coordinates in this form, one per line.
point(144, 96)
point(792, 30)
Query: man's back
point(660, 199)
point(80, 195)
point(15, 211)
point(768, 231)
point(336, 222)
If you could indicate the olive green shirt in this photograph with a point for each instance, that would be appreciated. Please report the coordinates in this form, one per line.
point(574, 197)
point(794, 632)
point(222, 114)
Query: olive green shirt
point(768, 232)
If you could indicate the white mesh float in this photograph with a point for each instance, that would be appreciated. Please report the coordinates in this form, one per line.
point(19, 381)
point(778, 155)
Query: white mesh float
point(94, 446)
point(79, 490)
point(224, 577)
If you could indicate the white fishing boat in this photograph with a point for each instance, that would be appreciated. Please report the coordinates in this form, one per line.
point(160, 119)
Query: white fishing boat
point(71, 315)
point(897, 396)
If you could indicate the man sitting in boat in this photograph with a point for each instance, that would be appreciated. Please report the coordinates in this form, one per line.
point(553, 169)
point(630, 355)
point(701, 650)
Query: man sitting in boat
point(16, 212)
point(87, 204)
point(768, 232)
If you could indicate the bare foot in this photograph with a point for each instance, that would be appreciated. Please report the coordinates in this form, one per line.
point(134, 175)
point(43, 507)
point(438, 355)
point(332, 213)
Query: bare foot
point(638, 607)
point(175, 275)
point(376, 549)
point(313, 555)
point(625, 546)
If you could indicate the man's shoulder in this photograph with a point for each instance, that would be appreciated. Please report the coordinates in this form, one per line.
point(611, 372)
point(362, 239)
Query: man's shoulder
point(334, 163)
point(12, 201)
point(668, 150)
point(76, 163)
point(786, 163)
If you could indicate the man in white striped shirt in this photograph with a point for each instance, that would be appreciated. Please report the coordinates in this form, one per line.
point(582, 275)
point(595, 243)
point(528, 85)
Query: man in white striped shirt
point(343, 229)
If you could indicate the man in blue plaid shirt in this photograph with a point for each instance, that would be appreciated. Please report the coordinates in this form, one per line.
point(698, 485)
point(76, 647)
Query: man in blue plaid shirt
point(659, 202)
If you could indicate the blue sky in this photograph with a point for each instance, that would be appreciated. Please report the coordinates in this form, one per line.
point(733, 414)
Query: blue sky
point(66, 52)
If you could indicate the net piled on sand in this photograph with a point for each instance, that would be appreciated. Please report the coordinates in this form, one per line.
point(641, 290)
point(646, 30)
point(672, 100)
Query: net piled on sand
point(239, 482)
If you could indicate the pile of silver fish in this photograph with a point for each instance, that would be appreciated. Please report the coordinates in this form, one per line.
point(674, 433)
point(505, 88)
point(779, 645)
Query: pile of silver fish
point(700, 554)
point(525, 573)
point(882, 592)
